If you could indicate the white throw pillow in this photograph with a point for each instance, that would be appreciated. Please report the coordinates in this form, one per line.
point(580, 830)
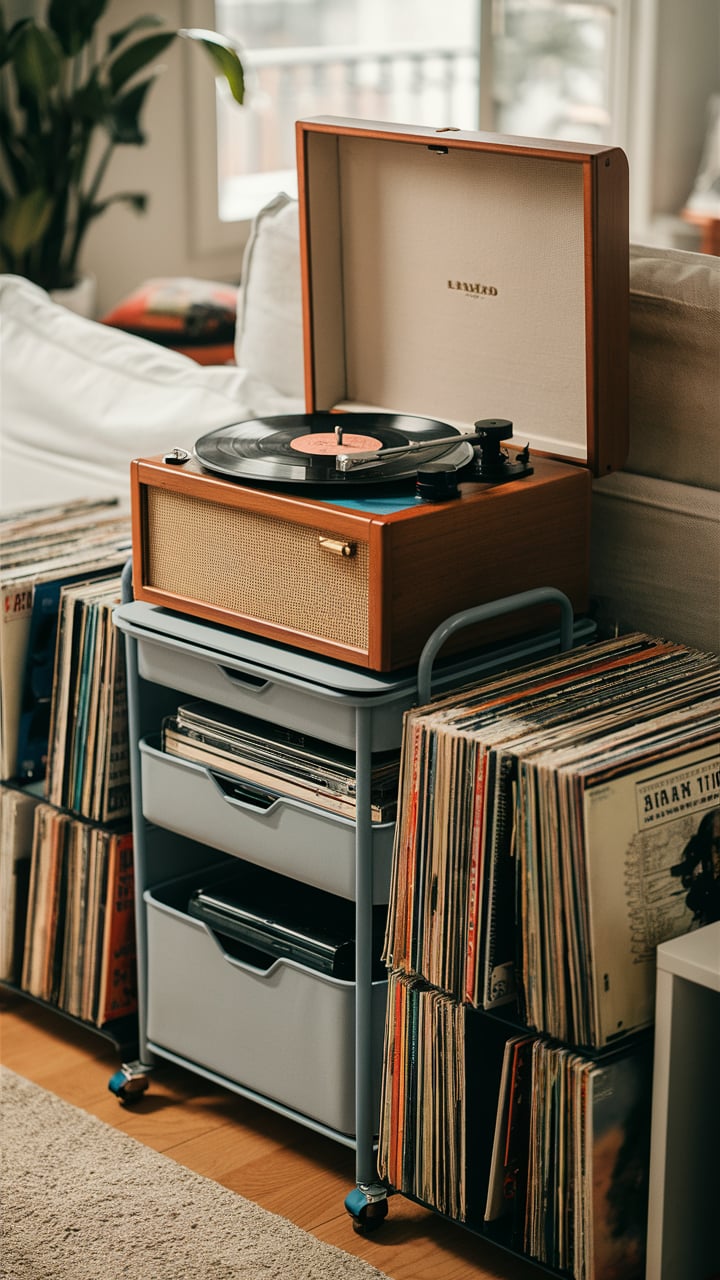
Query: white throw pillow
point(80, 400)
point(268, 334)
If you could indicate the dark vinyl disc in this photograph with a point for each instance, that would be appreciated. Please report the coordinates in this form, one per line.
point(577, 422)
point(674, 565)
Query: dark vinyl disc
point(302, 448)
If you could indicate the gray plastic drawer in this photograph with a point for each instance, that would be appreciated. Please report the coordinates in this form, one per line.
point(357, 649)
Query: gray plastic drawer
point(319, 712)
point(289, 836)
point(287, 1032)
point(306, 692)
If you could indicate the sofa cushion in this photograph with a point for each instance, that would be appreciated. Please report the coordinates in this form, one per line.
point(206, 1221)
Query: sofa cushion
point(655, 559)
point(80, 400)
point(269, 336)
point(675, 366)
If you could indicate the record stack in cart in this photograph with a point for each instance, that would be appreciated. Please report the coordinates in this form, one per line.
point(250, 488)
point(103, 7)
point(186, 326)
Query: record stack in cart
point(66, 877)
point(549, 836)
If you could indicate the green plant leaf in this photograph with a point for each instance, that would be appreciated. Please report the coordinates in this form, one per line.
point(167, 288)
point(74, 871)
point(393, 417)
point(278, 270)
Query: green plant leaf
point(123, 119)
point(119, 37)
point(90, 102)
point(224, 55)
point(137, 56)
point(37, 60)
point(74, 21)
point(136, 199)
point(25, 221)
point(9, 146)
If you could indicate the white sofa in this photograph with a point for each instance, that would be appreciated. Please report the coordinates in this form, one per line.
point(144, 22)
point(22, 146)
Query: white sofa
point(79, 401)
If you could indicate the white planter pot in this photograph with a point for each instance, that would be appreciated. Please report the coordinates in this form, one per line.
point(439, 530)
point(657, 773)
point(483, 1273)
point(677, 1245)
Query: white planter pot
point(80, 297)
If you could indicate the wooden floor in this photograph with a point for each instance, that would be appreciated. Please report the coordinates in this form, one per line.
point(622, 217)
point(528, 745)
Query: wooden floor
point(266, 1158)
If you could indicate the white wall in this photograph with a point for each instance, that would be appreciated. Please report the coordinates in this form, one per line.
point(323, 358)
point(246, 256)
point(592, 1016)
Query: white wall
point(688, 71)
point(124, 248)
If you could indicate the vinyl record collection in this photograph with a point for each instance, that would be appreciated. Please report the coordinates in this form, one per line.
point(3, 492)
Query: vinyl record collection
point(80, 942)
point(541, 854)
point(542, 1147)
point(264, 756)
point(541, 816)
point(88, 767)
point(66, 858)
point(44, 550)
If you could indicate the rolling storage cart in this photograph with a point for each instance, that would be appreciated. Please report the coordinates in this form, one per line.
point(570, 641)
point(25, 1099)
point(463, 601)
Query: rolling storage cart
point(201, 1007)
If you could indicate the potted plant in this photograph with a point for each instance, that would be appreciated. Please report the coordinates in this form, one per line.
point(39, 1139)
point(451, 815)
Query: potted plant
point(68, 97)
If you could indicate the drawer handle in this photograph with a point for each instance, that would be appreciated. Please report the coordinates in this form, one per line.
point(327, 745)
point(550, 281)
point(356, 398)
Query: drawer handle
point(243, 792)
point(246, 678)
point(337, 546)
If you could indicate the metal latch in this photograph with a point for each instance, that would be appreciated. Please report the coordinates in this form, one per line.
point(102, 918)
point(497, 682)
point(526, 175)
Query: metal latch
point(337, 546)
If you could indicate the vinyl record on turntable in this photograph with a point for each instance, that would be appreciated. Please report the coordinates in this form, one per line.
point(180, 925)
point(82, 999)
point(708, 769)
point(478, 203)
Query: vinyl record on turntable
point(313, 448)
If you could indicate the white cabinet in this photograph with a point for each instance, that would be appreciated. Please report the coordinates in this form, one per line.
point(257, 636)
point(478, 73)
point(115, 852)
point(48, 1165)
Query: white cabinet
point(683, 1231)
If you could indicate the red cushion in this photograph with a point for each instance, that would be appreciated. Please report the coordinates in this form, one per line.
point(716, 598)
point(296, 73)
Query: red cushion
point(193, 317)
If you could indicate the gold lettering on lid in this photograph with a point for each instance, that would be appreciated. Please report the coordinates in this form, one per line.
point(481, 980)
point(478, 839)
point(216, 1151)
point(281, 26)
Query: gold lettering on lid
point(473, 289)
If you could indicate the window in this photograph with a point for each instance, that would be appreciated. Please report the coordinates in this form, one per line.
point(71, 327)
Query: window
point(584, 70)
point(551, 67)
point(360, 58)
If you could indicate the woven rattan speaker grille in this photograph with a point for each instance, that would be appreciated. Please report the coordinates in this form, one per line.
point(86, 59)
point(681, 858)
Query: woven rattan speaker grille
point(258, 566)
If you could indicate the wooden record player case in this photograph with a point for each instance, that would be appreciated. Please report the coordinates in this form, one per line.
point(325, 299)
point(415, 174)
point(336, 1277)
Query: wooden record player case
point(451, 275)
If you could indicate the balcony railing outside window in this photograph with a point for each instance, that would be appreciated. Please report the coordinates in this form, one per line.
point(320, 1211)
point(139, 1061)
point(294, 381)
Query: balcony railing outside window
point(412, 86)
point(544, 67)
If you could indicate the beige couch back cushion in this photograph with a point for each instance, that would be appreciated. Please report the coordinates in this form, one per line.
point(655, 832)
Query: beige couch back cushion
point(675, 366)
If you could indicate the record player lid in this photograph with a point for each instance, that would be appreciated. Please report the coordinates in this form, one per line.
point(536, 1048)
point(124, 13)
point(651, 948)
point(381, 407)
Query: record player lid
point(462, 276)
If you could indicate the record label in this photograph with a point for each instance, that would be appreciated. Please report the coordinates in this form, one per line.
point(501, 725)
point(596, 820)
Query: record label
point(325, 442)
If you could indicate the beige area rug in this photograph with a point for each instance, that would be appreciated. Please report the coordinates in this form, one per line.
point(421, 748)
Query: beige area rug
point(83, 1201)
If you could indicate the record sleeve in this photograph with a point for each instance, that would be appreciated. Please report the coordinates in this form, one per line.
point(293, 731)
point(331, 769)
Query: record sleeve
point(280, 917)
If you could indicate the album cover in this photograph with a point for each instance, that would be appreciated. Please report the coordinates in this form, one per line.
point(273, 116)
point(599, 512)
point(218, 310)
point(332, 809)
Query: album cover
point(116, 992)
point(17, 811)
point(46, 904)
point(508, 1163)
point(637, 828)
point(619, 1147)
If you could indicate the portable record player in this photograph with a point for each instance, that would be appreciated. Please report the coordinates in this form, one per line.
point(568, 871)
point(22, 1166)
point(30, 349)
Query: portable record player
point(446, 276)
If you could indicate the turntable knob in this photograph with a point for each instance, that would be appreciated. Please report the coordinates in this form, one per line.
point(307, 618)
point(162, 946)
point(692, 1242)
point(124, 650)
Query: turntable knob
point(177, 457)
point(437, 482)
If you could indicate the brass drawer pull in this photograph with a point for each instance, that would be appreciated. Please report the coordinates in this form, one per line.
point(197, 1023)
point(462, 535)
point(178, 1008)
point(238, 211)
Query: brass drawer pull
point(337, 547)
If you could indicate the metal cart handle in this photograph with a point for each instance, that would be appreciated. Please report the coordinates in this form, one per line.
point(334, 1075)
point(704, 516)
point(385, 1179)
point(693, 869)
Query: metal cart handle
point(483, 613)
point(126, 586)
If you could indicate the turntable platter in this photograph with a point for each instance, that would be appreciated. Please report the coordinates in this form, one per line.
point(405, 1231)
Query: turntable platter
point(305, 448)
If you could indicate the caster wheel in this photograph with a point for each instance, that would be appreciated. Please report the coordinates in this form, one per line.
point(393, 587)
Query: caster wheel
point(370, 1218)
point(128, 1084)
point(367, 1207)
